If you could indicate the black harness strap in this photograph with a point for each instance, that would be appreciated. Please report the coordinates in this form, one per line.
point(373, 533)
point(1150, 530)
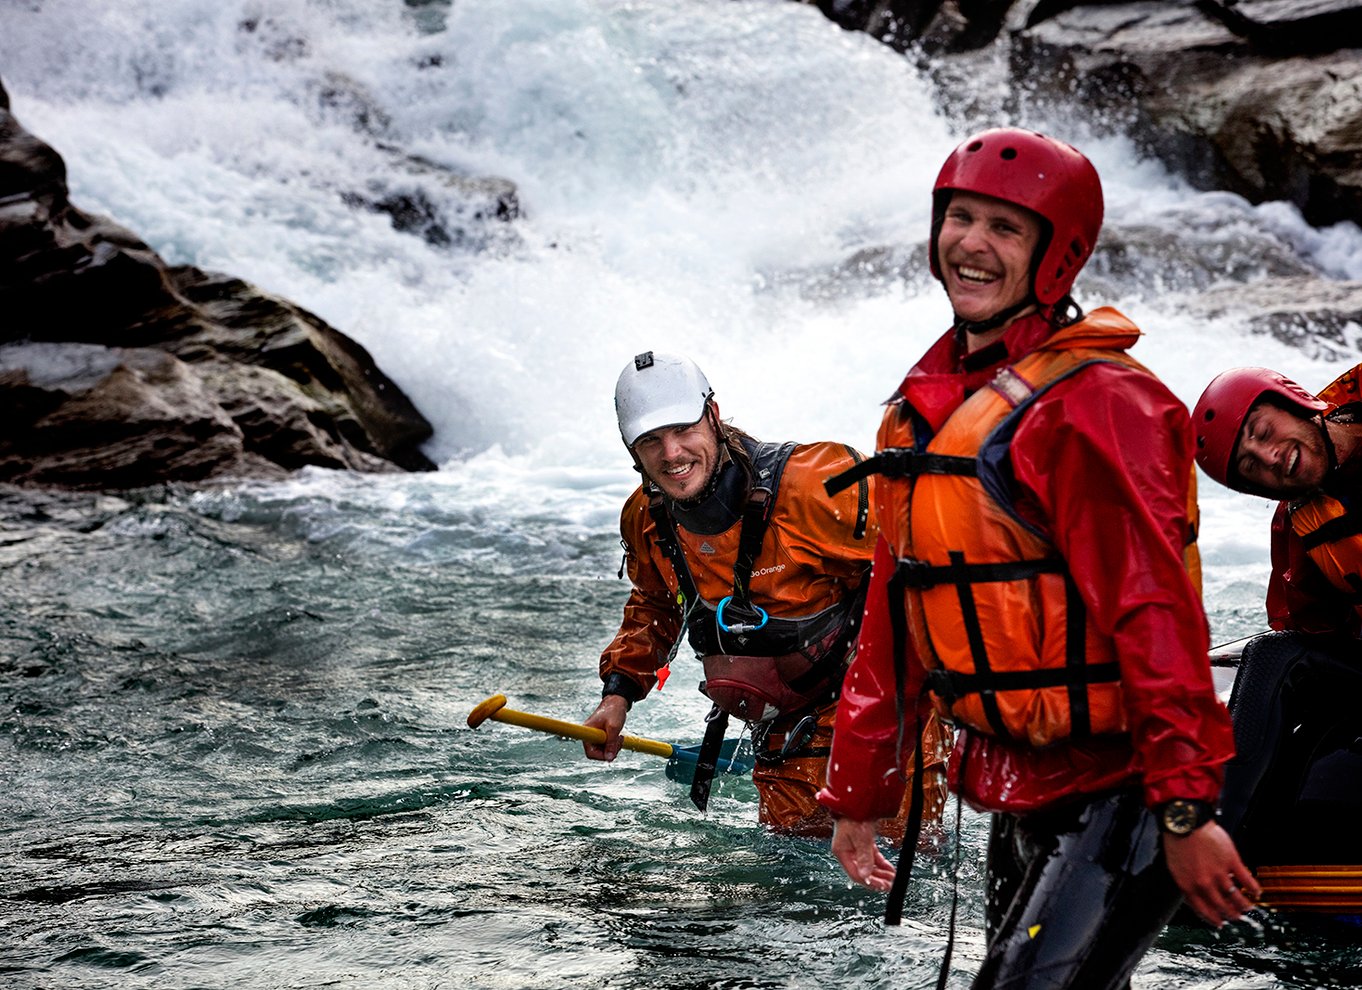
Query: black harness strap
point(912, 828)
point(902, 462)
point(974, 632)
point(756, 517)
point(950, 686)
point(1075, 660)
point(912, 831)
point(862, 496)
point(898, 627)
point(920, 574)
point(670, 544)
point(1346, 525)
point(707, 760)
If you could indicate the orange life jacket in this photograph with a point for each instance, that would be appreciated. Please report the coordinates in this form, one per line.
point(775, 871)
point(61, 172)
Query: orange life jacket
point(1330, 530)
point(989, 603)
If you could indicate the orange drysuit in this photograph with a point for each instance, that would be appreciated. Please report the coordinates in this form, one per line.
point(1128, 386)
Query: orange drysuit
point(814, 559)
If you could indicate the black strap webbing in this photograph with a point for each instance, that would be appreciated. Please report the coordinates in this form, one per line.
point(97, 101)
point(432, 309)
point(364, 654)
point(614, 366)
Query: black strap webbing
point(671, 544)
point(898, 625)
point(756, 517)
point(862, 497)
point(950, 686)
point(1346, 525)
point(960, 576)
point(902, 462)
point(708, 758)
point(768, 466)
point(912, 830)
point(920, 574)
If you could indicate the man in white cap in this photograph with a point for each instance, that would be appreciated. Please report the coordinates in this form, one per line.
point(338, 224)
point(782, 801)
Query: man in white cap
point(735, 545)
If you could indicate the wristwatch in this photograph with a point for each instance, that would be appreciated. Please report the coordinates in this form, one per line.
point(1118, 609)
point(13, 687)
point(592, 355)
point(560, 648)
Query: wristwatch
point(1183, 816)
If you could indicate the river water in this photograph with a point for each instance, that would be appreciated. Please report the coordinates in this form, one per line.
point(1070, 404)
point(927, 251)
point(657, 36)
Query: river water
point(233, 720)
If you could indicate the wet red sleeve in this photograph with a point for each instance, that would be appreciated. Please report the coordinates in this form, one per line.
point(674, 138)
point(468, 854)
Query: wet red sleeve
point(1106, 457)
point(864, 781)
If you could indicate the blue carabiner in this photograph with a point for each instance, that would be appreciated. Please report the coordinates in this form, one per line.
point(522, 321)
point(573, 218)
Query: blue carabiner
point(739, 627)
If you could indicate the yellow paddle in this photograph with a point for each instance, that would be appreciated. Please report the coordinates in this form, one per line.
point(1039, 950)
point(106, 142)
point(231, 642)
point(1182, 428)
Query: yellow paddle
point(495, 708)
point(681, 760)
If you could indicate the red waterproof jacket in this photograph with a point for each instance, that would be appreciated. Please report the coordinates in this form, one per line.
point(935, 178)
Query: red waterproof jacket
point(1102, 462)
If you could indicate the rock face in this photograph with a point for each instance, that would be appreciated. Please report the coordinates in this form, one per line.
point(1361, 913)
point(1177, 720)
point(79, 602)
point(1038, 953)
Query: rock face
point(1259, 97)
point(118, 371)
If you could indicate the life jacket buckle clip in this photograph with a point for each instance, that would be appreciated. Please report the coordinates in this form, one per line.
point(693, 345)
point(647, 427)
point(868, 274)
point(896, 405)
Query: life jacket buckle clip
point(942, 684)
point(914, 573)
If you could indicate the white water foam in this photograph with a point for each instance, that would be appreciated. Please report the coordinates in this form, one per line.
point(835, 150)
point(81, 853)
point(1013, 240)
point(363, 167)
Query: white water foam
point(677, 167)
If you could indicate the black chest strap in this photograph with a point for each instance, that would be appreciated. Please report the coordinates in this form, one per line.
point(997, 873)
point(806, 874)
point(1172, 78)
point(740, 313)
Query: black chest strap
point(902, 462)
point(1339, 528)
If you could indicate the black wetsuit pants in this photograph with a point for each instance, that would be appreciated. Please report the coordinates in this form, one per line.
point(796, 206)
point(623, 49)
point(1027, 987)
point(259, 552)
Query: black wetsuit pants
point(1076, 896)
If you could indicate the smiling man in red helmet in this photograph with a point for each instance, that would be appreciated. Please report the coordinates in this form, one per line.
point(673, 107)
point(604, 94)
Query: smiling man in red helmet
point(1037, 584)
point(1261, 433)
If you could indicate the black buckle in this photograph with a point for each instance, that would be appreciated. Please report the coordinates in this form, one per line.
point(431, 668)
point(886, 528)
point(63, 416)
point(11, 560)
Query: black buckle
point(896, 462)
point(942, 683)
point(914, 573)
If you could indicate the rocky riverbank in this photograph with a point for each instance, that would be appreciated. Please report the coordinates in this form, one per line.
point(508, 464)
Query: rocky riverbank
point(118, 370)
point(1258, 97)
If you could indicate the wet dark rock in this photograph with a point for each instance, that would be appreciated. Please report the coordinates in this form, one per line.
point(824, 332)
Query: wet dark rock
point(870, 271)
point(1259, 97)
point(1323, 320)
point(444, 206)
point(119, 371)
point(1191, 253)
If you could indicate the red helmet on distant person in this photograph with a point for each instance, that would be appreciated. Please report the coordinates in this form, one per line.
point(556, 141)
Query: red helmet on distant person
point(1220, 413)
point(1050, 178)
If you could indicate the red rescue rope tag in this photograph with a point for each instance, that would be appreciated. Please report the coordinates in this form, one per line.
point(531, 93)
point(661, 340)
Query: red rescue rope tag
point(662, 674)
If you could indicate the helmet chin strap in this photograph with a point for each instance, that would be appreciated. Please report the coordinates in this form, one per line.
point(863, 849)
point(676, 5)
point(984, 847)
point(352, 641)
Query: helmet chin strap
point(964, 326)
point(1329, 450)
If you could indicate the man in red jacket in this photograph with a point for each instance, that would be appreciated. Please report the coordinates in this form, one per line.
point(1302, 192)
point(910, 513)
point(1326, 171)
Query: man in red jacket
point(735, 546)
point(1296, 777)
point(1036, 582)
point(1261, 433)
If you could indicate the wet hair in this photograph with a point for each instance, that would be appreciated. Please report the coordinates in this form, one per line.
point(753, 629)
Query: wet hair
point(736, 442)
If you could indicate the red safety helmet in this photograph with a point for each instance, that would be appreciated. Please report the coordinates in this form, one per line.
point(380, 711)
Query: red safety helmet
point(1048, 177)
point(1220, 413)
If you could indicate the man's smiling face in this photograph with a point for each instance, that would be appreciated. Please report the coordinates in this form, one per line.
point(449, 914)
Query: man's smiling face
point(1280, 451)
point(985, 248)
point(680, 459)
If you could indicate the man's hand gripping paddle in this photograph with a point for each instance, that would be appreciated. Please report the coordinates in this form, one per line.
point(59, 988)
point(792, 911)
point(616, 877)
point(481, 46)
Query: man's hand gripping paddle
point(681, 760)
